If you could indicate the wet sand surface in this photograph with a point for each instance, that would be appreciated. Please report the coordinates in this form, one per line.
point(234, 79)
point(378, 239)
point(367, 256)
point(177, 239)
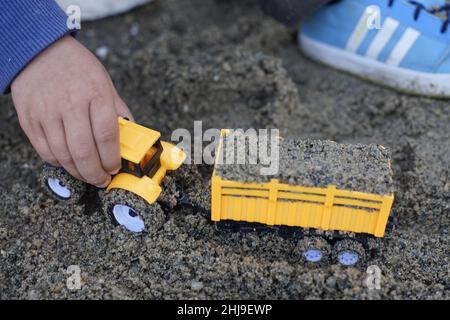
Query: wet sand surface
point(223, 62)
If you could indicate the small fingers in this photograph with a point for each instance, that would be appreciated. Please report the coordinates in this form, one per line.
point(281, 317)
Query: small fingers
point(105, 129)
point(56, 138)
point(82, 147)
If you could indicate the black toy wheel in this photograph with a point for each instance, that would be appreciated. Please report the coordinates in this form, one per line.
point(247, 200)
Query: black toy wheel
point(349, 253)
point(226, 226)
point(126, 209)
point(314, 250)
point(61, 185)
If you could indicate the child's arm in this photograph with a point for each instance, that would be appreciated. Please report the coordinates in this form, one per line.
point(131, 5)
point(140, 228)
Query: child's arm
point(65, 100)
point(290, 12)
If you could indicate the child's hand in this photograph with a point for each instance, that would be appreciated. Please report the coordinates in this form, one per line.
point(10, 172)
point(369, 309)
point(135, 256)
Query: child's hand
point(68, 108)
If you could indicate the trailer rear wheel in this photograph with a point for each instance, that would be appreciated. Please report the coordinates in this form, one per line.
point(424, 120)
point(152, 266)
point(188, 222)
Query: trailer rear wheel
point(314, 250)
point(349, 253)
point(61, 185)
point(126, 209)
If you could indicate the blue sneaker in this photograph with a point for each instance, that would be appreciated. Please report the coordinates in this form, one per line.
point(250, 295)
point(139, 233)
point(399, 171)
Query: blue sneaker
point(402, 44)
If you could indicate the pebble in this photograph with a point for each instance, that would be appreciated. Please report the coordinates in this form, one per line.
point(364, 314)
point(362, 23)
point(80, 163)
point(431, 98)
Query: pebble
point(226, 66)
point(36, 243)
point(331, 282)
point(196, 285)
point(102, 52)
point(134, 30)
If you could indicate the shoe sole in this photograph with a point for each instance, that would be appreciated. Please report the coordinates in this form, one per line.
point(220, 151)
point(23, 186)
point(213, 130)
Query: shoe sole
point(412, 82)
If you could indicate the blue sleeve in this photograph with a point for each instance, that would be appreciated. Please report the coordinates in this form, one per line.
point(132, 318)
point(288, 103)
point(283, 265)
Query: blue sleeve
point(27, 27)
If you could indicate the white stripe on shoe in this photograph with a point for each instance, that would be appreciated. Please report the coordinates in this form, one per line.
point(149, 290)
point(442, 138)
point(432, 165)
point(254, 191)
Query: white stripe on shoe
point(360, 31)
point(403, 46)
point(382, 38)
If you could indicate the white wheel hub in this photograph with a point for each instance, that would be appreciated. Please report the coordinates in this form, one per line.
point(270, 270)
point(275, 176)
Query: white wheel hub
point(348, 257)
point(313, 255)
point(128, 218)
point(58, 188)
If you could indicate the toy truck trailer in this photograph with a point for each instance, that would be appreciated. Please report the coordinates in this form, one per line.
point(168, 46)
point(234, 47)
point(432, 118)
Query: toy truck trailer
point(319, 209)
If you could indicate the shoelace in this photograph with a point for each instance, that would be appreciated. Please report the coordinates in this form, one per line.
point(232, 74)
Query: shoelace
point(445, 9)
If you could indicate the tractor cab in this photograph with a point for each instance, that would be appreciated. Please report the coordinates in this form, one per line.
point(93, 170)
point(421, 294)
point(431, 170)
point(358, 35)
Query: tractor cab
point(145, 161)
point(140, 149)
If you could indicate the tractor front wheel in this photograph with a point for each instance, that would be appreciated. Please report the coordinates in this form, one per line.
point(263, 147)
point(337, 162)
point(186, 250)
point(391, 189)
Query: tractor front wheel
point(126, 209)
point(61, 185)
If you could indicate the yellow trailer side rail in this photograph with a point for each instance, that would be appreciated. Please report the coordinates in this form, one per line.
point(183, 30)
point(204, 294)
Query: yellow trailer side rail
point(275, 203)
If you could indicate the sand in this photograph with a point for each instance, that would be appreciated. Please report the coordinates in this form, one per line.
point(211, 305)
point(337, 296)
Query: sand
point(172, 72)
point(310, 163)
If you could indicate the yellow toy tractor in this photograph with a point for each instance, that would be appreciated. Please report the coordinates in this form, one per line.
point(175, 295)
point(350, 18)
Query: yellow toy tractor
point(145, 162)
